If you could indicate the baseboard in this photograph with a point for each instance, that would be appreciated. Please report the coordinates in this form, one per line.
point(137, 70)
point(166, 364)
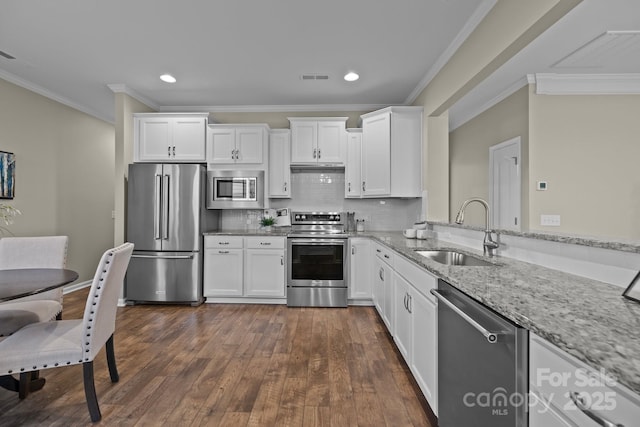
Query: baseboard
point(75, 287)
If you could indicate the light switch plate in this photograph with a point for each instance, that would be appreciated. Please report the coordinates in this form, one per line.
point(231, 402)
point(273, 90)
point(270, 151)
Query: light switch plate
point(550, 220)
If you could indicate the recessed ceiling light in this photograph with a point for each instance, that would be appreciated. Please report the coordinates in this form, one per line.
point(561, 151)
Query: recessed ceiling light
point(168, 78)
point(351, 76)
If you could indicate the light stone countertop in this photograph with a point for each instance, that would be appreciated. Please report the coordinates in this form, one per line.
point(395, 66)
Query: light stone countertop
point(586, 318)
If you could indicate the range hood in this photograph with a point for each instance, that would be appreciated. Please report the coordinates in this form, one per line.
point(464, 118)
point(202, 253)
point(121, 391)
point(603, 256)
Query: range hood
point(320, 167)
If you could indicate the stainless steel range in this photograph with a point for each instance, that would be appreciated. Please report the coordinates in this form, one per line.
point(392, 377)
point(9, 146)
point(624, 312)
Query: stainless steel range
point(317, 271)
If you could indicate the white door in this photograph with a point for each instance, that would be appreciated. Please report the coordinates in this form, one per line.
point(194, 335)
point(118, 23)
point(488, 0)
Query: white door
point(304, 142)
point(352, 181)
point(376, 156)
point(222, 275)
point(154, 139)
point(221, 145)
point(249, 145)
point(280, 164)
point(189, 139)
point(264, 273)
point(505, 184)
point(331, 137)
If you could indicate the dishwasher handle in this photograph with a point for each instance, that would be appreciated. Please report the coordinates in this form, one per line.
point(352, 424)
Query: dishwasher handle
point(492, 337)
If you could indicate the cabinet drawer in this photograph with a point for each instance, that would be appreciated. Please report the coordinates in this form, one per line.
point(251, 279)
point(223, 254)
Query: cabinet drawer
point(265, 242)
point(419, 278)
point(384, 253)
point(228, 242)
point(554, 374)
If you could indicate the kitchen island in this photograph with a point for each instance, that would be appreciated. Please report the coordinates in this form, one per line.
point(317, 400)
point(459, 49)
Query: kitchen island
point(586, 318)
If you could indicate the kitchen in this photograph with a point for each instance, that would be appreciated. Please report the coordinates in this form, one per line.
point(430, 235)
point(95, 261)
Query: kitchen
point(439, 207)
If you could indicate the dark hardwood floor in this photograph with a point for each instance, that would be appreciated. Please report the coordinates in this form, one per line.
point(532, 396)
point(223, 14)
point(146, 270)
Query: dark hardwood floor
point(234, 365)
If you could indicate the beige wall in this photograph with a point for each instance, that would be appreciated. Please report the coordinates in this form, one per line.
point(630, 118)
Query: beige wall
point(64, 173)
point(588, 149)
point(278, 120)
point(469, 154)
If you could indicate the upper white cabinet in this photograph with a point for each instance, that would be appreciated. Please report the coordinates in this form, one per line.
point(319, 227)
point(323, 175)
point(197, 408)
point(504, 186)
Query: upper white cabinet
point(169, 137)
point(280, 163)
point(392, 152)
point(318, 140)
point(352, 171)
point(237, 144)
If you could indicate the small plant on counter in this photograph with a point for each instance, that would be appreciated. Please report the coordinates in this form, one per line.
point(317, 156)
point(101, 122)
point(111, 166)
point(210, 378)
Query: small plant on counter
point(267, 221)
point(7, 215)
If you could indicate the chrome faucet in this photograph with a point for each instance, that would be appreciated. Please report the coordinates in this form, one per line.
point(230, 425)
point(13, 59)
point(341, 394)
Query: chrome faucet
point(488, 244)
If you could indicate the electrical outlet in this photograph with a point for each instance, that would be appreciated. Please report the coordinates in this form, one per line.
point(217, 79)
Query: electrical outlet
point(550, 220)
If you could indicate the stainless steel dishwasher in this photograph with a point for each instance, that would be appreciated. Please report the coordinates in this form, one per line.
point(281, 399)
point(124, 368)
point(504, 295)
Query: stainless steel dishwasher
point(482, 364)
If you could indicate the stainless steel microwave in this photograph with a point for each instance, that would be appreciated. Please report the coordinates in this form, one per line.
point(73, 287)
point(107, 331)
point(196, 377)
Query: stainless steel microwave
point(235, 189)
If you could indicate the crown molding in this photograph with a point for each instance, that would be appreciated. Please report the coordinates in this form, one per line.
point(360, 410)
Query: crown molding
point(270, 108)
point(478, 15)
point(123, 88)
point(12, 78)
point(587, 84)
point(457, 120)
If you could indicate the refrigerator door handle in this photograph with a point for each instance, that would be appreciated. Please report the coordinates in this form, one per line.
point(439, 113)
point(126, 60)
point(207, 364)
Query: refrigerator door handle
point(165, 207)
point(163, 256)
point(157, 215)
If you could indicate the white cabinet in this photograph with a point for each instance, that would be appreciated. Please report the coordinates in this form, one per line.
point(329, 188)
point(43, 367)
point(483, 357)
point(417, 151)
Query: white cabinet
point(280, 163)
point(164, 137)
point(246, 267)
point(236, 144)
point(392, 152)
point(554, 376)
point(413, 312)
point(264, 267)
point(223, 260)
point(318, 140)
point(360, 284)
point(352, 173)
point(383, 283)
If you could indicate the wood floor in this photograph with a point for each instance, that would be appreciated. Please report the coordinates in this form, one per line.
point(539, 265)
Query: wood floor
point(234, 365)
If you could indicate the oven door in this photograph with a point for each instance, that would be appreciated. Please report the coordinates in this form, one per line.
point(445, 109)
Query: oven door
point(317, 262)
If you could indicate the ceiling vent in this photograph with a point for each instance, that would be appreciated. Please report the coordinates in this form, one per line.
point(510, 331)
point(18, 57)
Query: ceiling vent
point(314, 77)
point(6, 55)
point(602, 50)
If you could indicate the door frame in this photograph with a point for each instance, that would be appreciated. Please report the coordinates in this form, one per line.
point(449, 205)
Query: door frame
point(517, 141)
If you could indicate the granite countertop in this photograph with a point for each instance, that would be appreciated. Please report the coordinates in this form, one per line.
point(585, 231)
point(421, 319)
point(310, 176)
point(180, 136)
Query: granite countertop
point(275, 231)
point(586, 318)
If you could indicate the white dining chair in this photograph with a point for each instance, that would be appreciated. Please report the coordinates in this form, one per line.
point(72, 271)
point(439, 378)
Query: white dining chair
point(31, 252)
point(46, 345)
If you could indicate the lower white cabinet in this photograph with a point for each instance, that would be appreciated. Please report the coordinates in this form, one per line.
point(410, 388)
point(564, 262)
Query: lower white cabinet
point(223, 259)
point(360, 284)
point(401, 296)
point(236, 266)
point(264, 273)
point(555, 376)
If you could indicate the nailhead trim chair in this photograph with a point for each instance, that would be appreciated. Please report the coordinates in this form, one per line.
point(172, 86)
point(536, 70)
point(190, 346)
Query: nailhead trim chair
point(46, 345)
point(31, 252)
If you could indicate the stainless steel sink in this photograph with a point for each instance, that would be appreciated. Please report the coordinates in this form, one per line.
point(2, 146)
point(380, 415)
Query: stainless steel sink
point(454, 258)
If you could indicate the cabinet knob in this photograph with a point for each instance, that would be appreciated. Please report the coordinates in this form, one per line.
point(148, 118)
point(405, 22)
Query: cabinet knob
point(281, 260)
point(363, 186)
point(314, 153)
point(318, 153)
point(174, 151)
point(285, 186)
point(169, 151)
point(349, 187)
point(223, 252)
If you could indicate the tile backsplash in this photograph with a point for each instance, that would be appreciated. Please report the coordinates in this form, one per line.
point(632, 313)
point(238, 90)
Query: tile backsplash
point(315, 190)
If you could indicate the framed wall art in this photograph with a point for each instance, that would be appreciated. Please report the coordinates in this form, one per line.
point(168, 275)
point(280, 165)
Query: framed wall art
point(633, 290)
point(7, 175)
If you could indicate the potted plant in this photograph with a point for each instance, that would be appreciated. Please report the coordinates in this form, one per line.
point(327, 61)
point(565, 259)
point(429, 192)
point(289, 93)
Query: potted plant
point(267, 222)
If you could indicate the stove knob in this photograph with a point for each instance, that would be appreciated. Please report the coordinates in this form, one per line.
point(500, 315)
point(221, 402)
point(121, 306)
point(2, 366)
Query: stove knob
point(303, 217)
point(330, 217)
point(297, 217)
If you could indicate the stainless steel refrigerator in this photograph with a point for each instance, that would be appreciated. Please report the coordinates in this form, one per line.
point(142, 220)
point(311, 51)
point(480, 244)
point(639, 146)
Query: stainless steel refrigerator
point(166, 216)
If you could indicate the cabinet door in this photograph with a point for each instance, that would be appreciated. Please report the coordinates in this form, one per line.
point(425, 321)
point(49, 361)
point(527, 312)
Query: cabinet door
point(154, 139)
point(378, 285)
point(264, 273)
point(331, 140)
point(424, 350)
point(360, 283)
point(402, 307)
point(279, 165)
point(387, 314)
point(304, 142)
point(352, 175)
point(249, 142)
point(376, 156)
point(222, 273)
point(221, 145)
point(189, 134)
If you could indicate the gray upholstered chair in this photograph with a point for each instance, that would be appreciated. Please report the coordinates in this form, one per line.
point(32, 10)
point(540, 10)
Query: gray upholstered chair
point(47, 345)
point(31, 252)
